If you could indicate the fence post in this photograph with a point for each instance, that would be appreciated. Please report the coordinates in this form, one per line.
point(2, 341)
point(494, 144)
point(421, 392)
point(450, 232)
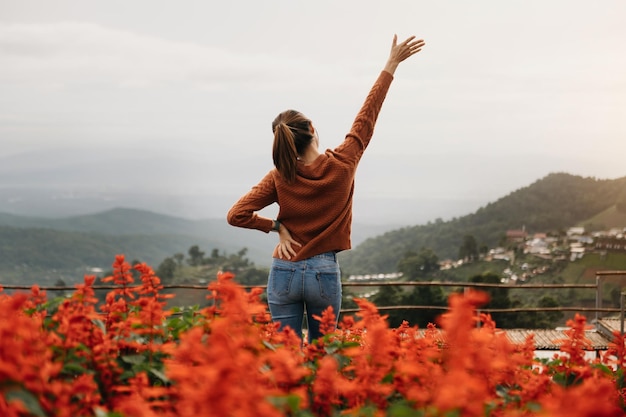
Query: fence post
point(598, 295)
point(621, 312)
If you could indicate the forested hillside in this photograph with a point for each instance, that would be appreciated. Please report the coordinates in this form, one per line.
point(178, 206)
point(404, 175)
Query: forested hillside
point(52, 249)
point(552, 204)
point(121, 221)
point(31, 248)
point(58, 247)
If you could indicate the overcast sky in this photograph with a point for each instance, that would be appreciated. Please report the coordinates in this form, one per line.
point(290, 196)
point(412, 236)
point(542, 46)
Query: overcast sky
point(504, 92)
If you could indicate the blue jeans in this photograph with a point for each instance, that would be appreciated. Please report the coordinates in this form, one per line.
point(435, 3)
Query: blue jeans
point(312, 284)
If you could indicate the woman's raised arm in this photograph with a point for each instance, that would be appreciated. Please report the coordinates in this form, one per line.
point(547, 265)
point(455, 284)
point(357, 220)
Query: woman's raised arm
point(401, 51)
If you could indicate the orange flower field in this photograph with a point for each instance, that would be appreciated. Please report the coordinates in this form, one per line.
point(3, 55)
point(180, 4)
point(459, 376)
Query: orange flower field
point(131, 357)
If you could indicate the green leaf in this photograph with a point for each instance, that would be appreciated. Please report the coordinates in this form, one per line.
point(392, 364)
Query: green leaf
point(73, 368)
point(293, 401)
point(99, 412)
point(25, 397)
point(127, 375)
point(403, 410)
point(290, 403)
point(134, 359)
point(160, 375)
point(99, 324)
point(269, 346)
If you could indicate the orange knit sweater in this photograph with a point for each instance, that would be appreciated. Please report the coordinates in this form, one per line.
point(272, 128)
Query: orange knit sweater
point(317, 207)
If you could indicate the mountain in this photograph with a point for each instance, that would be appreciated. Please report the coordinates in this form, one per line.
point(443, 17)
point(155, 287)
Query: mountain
point(554, 203)
point(50, 250)
point(94, 240)
point(120, 221)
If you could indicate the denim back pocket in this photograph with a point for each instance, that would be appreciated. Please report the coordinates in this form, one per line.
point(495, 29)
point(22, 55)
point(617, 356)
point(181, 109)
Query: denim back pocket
point(329, 284)
point(280, 280)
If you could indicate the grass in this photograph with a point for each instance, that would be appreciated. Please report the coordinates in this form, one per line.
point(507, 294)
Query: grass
point(606, 219)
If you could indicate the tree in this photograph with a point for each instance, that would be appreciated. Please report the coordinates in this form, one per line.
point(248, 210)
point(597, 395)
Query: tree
point(237, 262)
point(423, 296)
point(167, 270)
point(388, 295)
point(179, 257)
point(215, 259)
point(469, 249)
point(538, 319)
point(418, 265)
point(60, 283)
point(135, 273)
point(252, 276)
point(196, 256)
point(498, 298)
point(548, 319)
point(347, 299)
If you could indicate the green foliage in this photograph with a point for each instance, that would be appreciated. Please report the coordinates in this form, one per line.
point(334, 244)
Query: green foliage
point(167, 270)
point(418, 265)
point(422, 296)
point(463, 272)
point(196, 256)
point(45, 249)
point(498, 298)
point(614, 216)
point(547, 319)
point(469, 248)
point(387, 296)
point(42, 250)
point(252, 276)
point(347, 299)
point(621, 202)
point(390, 296)
point(536, 319)
point(502, 298)
point(31, 403)
point(200, 269)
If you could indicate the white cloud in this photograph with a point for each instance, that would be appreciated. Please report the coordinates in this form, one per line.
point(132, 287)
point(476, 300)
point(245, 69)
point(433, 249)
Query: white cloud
point(69, 53)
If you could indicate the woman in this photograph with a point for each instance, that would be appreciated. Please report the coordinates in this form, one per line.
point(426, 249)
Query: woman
point(314, 193)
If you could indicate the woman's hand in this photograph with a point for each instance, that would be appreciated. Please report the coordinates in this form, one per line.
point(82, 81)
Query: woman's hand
point(285, 248)
point(401, 51)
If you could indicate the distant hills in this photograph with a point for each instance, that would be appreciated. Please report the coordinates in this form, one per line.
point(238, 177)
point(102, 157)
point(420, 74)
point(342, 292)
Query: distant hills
point(95, 239)
point(120, 221)
point(551, 204)
point(38, 243)
point(51, 250)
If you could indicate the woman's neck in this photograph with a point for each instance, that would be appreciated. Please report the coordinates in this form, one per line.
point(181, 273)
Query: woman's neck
point(309, 156)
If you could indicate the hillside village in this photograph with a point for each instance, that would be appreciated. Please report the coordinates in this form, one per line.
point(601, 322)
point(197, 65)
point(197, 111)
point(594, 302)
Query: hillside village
point(572, 245)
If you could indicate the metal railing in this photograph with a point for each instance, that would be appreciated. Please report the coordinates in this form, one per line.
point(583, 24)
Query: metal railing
point(601, 277)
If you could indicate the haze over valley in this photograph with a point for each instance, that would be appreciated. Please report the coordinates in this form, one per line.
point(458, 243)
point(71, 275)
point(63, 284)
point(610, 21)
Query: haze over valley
point(32, 244)
point(84, 181)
